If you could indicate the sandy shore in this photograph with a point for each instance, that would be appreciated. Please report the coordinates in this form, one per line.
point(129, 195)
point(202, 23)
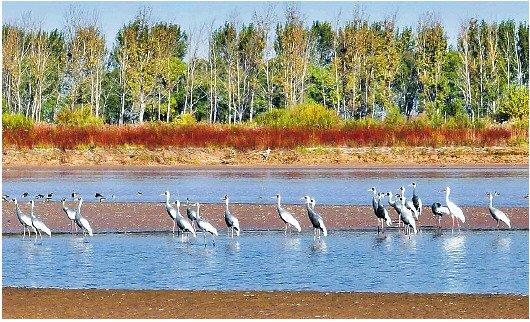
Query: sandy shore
point(55, 303)
point(138, 217)
point(320, 156)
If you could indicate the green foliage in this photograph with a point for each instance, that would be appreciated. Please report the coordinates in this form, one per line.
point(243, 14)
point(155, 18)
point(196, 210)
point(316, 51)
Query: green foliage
point(303, 115)
point(185, 119)
point(514, 104)
point(16, 121)
point(394, 117)
point(78, 116)
point(459, 121)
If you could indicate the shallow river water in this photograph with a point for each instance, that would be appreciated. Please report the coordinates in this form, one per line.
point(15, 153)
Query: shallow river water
point(463, 262)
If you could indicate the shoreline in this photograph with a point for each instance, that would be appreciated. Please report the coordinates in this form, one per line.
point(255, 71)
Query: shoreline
point(299, 157)
point(61, 303)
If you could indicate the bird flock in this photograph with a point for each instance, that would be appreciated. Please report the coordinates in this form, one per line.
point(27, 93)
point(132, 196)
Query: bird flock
point(408, 210)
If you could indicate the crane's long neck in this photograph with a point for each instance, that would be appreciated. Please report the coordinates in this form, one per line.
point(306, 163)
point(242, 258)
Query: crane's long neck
point(167, 199)
point(402, 193)
point(31, 211)
point(226, 204)
point(414, 190)
point(279, 201)
point(64, 205)
point(491, 200)
point(198, 211)
point(447, 196)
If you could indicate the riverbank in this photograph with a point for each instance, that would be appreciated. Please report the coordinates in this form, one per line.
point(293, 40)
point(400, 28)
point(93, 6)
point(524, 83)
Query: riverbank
point(58, 303)
point(320, 156)
point(150, 217)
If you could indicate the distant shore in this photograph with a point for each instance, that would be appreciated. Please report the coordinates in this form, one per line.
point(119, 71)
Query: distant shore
point(319, 156)
point(91, 303)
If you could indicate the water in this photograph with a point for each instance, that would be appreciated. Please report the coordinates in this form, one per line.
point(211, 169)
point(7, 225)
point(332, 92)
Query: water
point(466, 262)
point(330, 186)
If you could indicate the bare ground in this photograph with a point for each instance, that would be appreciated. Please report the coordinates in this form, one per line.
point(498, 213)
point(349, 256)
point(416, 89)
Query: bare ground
point(320, 156)
point(57, 303)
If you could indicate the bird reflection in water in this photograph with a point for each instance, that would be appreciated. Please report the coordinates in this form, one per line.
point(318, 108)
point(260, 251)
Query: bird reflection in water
point(319, 245)
point(291, 243)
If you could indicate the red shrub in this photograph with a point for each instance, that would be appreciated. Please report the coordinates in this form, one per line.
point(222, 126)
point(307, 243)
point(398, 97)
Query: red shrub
point(246, 137)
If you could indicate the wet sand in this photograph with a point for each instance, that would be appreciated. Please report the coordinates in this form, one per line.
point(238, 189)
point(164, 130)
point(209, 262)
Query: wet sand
point(145, 217)
point(55, 303)
point(315, 156)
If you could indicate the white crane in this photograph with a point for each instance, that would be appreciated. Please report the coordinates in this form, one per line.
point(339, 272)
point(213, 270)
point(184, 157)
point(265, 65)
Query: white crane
point(496, 214)
point(408, 203)
point(24, 220)
point(70, 213)
point(286, 216)
point(407, 217)
point(81, 221)
point(37, 223)
point(172, 212)
point(454, 210)
point(205, 226)
point(183, 224)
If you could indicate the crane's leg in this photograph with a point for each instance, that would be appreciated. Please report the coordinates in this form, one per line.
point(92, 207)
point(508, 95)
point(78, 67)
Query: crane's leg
point(285, 232)
point(23, 231)
point(453, 227)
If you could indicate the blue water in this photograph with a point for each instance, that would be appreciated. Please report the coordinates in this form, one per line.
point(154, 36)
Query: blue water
point(463, 262)
point(329, 186)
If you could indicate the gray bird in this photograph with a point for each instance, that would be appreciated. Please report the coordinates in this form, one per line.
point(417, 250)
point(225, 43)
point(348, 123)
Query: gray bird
point(315, 218)
point(496, 214)
point(440, 211)
point(192, 215)
point(231, 221)
point(382, 214)
point(172, 212)
point(407, 217)
point(416, 201)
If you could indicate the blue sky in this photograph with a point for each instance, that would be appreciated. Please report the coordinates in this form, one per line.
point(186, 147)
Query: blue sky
point(112, 15)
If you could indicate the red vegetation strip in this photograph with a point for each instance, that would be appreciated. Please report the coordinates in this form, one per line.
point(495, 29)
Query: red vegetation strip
point(244, 137)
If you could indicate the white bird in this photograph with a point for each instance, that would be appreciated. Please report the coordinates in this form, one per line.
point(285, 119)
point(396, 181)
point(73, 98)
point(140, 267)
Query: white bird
point(81, 221)
point(24, 220)
point(395, 205)
point(286, 216)
point(454, 210)
point(205, 226)
point(172, 212)
point(265, 154)
point(496, 213)
point(231, 221)
point(37, 223)
point(70, 213)
point(374, 198)
point(183, 224)
point(439, 210)
point(407, 217)
point(408, 203)
point(315, 218)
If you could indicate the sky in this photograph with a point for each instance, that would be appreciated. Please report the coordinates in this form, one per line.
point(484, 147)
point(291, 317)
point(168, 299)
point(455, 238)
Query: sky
point(192, 15)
